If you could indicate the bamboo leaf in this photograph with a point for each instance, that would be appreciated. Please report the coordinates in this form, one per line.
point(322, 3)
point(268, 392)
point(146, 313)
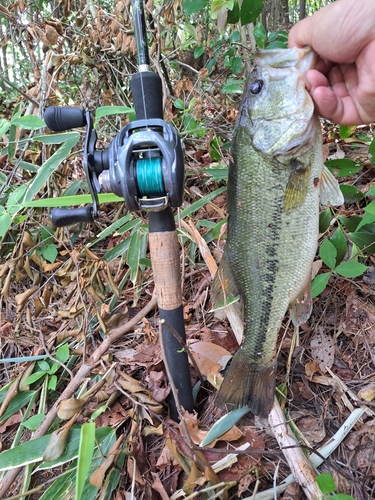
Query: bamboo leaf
point(224, 424)
point(86, 450)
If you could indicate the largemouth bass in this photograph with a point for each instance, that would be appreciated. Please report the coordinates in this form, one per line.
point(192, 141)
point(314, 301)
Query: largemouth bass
point(275, 183)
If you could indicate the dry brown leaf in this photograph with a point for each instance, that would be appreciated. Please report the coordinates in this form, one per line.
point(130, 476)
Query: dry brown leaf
point(97, 477)
point(323, 349)
point(23, 297)
point(69, 407)
point(57, 443)
point(158, 486)
point(368, 392)
point(312, 428)
point(311, 368)
point(210, 358)
point(14, 419)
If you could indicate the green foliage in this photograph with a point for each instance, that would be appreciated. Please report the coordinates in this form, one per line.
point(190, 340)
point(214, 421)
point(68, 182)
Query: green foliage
point(328, 487)
point(273, 40)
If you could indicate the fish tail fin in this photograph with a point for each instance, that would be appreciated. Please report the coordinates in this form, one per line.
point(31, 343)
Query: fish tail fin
point(251, 384)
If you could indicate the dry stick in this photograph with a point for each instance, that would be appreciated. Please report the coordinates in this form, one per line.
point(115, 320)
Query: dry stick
point(82, 373)
point(300, 465)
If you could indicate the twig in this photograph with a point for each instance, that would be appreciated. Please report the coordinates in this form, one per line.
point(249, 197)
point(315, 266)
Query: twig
point(301, 467)
point(316, 460)
point(74, 384)
point(35, 103)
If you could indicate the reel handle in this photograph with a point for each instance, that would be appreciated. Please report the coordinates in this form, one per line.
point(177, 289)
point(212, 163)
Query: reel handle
point(60, 118)
point(61, 217)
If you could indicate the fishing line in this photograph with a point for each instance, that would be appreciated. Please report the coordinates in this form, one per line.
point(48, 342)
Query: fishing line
point(148, 169)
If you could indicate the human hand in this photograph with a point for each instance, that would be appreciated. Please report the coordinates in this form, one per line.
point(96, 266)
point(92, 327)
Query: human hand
point(343, 84)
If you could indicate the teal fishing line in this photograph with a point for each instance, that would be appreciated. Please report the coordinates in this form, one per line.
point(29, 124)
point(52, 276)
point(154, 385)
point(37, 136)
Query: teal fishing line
point(150, 177)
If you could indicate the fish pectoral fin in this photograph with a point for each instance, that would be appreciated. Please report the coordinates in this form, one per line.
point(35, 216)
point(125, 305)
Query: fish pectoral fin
point(298, 184)
point(330, 192)
point(300, 309)
point(224, 291)
point(248, 383)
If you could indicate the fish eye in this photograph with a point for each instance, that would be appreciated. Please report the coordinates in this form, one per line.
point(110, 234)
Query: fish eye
point(256, 87)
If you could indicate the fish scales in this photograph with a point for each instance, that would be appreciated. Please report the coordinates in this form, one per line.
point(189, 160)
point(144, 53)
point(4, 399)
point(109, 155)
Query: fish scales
point(274, 186)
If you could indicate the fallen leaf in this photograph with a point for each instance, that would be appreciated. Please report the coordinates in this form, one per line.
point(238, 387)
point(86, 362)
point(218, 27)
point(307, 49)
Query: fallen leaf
point(323, 349)
point(210, 358)
point(368, 392)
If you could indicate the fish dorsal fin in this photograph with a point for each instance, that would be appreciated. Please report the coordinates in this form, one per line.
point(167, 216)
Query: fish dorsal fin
point(224, 291)
point(330, 192)
point(300, 309)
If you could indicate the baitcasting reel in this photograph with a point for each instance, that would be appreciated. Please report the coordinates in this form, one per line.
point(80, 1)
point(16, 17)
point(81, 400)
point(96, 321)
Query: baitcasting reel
point(144, 164)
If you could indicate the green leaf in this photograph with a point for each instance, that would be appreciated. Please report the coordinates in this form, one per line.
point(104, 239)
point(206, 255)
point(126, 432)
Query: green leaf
point(52, 383)
point(341, 496)
point(350, 223)
point(34, 377)
point(179, 104)
point(54, 138)
point(217, 173)
point(224, 424)
point(192, 6)
point(43, 365)
point(325, 218)
point(369, 217)
point(134, 254)
point(233, 15)
point(260, 35)
point(278, 44)
point(200, 203)
point(198, 51)
point(326, 483)
point(236, 64)
point(29, 122)
point(319, 283)
point(4, 126)
point(111, 110)
point(232, 87)
point(351, 193)
point(350, 269)
point(86, 450)
point(5, 221)
point(50, 252)
point(48, 168)
point(62, 353)
point(68, 201)
point(339, 240)
point(363, 239)
point(346, 132)
point(34, 422)
point(117, 251)
point(328, 253)
point(250, 10)
point(343, 167)
point(15, 405)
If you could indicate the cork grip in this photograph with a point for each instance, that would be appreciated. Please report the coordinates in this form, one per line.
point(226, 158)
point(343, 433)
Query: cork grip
point(165, 258)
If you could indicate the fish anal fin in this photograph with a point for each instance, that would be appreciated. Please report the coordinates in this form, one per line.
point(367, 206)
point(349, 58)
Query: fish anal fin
point(249, 384)
point(298, 185)
point(301, 307)
point(330, 192)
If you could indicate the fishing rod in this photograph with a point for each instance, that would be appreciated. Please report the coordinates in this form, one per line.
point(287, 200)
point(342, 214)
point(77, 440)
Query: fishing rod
point(144, 164)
